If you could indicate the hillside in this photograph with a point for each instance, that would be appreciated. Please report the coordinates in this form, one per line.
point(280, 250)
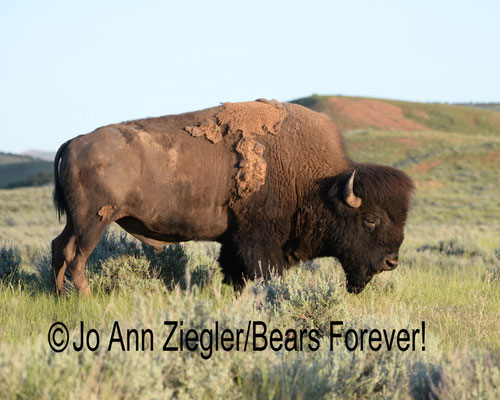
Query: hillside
point(40, 154)
point(363, 113)
point(19, 170)
point(9, 158)
point(486, 106)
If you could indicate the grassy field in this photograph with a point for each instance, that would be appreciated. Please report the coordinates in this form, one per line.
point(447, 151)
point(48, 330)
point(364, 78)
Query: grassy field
point(449, 277)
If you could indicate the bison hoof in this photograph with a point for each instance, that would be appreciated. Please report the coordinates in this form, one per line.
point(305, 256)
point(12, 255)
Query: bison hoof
point(354, 289)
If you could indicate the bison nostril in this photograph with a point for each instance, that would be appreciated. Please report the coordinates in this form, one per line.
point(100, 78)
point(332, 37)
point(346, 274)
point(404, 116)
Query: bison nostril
point(391, 263)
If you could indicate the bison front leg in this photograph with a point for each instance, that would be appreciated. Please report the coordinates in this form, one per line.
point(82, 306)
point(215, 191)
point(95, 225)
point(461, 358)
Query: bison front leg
point(262, 261)
point(250, 257)
point(231, 265)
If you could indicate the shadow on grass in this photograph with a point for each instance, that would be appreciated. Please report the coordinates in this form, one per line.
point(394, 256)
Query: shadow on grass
point(117, 263)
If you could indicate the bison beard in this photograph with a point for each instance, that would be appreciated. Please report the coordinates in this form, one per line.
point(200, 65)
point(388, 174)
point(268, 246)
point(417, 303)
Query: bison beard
point(271, 182)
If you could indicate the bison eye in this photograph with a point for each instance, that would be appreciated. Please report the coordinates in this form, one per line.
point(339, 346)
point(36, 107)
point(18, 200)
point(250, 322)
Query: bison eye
point(370, 223)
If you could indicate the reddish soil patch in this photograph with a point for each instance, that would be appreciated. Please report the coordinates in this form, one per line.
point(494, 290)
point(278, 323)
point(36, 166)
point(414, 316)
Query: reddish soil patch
point(428, 184)
point(426, 166)
point(492, 157)
point(369, 113)
point(404, 141)
point(365, 144)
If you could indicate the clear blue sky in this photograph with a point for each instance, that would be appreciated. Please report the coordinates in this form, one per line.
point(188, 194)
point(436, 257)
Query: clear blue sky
point(67, 67)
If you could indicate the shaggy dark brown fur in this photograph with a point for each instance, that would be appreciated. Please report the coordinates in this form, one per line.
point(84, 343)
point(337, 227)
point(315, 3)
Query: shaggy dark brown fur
point(385, 194)
point(164, 181)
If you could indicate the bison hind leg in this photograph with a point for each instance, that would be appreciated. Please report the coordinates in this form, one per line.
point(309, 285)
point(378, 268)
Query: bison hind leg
point(71, 249)
point(87, 238)
point(63, 252)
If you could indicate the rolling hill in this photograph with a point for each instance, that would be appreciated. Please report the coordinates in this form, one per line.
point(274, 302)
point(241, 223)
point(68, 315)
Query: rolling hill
point(40, 154)
point(369, 113)
point(486, 106)
point(19, 170)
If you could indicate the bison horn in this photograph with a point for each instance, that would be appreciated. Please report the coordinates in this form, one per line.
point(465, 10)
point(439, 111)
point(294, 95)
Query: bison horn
point(350, 198)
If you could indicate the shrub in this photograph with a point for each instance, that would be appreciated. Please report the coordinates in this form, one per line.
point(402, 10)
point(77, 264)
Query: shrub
point(170, 263)
point(469, 374)
point(305, 297)
point(10, 260)
point(38, 179)
point(112, 245)
point(123, 273)
point(452, 247)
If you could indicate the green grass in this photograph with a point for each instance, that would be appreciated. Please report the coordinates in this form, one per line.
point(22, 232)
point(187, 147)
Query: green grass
point(449, 277)
point(451, 118)
point(456, 175)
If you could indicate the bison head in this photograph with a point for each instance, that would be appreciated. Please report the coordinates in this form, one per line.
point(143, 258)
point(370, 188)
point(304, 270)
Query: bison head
point(370, 205)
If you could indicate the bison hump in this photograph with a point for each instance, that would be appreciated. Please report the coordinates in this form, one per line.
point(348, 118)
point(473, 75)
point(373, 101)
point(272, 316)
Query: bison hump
point(250, 120)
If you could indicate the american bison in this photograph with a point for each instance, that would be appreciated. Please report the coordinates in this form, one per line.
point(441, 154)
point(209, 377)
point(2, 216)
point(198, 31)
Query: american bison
point(269, 181)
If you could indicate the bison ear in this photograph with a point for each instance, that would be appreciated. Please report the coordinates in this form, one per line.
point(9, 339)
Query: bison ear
point(349, 197)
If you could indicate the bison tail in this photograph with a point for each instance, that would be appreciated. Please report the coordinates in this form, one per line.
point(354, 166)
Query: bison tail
point(59, 199)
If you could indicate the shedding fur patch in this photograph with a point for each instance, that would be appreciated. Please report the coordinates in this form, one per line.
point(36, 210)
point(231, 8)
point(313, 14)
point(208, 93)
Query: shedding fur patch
point(249, 120)
point(256, 118)
point(210, 130)
point(105, 212)
point(252, 173)
point(252, 118)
